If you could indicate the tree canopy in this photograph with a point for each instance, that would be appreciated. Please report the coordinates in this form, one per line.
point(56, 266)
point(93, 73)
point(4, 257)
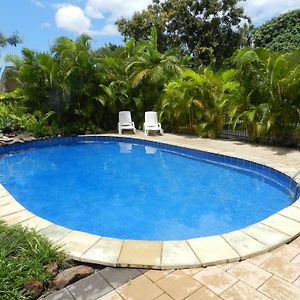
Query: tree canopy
point(12, 40)
point(281, 33)
point(202, 28)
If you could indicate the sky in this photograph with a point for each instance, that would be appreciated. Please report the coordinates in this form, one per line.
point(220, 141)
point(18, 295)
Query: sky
point(39, 22)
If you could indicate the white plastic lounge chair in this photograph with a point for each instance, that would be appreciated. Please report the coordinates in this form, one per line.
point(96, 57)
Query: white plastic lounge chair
point(151, 123)
point(125, 121)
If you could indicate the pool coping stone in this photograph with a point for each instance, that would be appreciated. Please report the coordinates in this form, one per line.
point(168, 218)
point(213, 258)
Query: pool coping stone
point(276, 230)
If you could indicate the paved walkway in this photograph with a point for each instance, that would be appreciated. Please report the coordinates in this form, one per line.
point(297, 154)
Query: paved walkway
point(273, 275)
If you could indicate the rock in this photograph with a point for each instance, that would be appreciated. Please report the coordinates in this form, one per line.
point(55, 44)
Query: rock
point(71, 275)
point(35, 288)
point(52, 268)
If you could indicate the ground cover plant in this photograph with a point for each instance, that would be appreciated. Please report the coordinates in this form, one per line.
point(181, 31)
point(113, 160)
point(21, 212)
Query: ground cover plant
point(24, 256)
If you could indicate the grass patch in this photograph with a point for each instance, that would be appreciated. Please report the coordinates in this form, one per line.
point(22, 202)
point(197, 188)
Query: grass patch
point(24, 255)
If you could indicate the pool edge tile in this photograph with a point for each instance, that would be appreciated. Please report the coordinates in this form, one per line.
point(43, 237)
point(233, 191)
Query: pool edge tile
point(105, 251)
point(245, 245)
point(178, 254)
point(213, 250)
point(140, 254)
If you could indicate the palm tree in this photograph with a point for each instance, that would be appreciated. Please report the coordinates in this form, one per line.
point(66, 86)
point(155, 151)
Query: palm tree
point(197, 99)
point(148, 70)
point(271, 83)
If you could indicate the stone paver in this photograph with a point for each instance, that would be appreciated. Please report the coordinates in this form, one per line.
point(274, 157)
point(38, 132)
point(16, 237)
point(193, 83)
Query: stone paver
point(105, 250)
point(117, 277)
point(55, 232)
point(286, 252)
point(155, 275)
point(243, 244)
point(250, 273)
point(215, 279)
point(90, 288)
point(178, 254)
point(140, 288)
point(18, 217)
point(282, 268)
point(260, 259)
point(63, 294)
point(76, 243)
point(242, 291)
point(277, 289)
point(113, 295)
point(267, 235)
point(140, 254)
point(213, 249)
point(203, 294)
point(185, 285)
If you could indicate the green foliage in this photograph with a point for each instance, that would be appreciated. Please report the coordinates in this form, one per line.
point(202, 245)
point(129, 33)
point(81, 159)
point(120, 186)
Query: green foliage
point(23, 257)
point(270, 106)
point(12, 40)
point(14, 116)
point(203, 29)
point(198, 99)
point(282, 33)
point(73, 89)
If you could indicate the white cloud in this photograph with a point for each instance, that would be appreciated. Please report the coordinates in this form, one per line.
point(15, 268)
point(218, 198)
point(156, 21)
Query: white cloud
point(263, 10)
point(45, 25)
point(72, 18)
point(38, 3)
point(83, 15)
point(108, 30)
point(117, 8)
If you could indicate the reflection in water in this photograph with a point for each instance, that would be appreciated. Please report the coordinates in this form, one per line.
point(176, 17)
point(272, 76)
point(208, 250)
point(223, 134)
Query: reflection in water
point(150, 150)
point(125, 147)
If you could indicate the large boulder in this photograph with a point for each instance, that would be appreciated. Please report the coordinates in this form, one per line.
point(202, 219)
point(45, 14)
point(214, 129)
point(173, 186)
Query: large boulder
point(71, 275)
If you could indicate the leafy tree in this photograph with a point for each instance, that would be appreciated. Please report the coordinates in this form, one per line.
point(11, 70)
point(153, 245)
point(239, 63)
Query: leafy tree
point(12, 40)
point(200, 27)
point(281, 33)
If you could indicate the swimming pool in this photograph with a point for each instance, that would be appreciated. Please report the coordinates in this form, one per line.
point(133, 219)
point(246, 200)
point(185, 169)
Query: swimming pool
point(134, 189)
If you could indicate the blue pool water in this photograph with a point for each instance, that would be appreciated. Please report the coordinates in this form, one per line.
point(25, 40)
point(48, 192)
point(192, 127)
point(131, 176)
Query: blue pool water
point(132, 190)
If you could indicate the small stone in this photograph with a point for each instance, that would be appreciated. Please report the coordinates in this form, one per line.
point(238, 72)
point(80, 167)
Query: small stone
point(71, 275)
point(52, 268)
point(35, 288)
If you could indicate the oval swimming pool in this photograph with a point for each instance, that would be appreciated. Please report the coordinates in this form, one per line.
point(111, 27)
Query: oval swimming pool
point(133, 189)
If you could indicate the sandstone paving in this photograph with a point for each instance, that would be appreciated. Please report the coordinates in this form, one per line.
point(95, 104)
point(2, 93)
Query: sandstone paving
point(203, 294)
point(242, 291)
point(278, 266)
point(215, 279)
point(185, 285)
point(250, 273)
point(140, 288)
point(286, 252)
point(278, 289)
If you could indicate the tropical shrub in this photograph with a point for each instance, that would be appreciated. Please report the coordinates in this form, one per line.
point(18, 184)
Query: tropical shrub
point(270, 106)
